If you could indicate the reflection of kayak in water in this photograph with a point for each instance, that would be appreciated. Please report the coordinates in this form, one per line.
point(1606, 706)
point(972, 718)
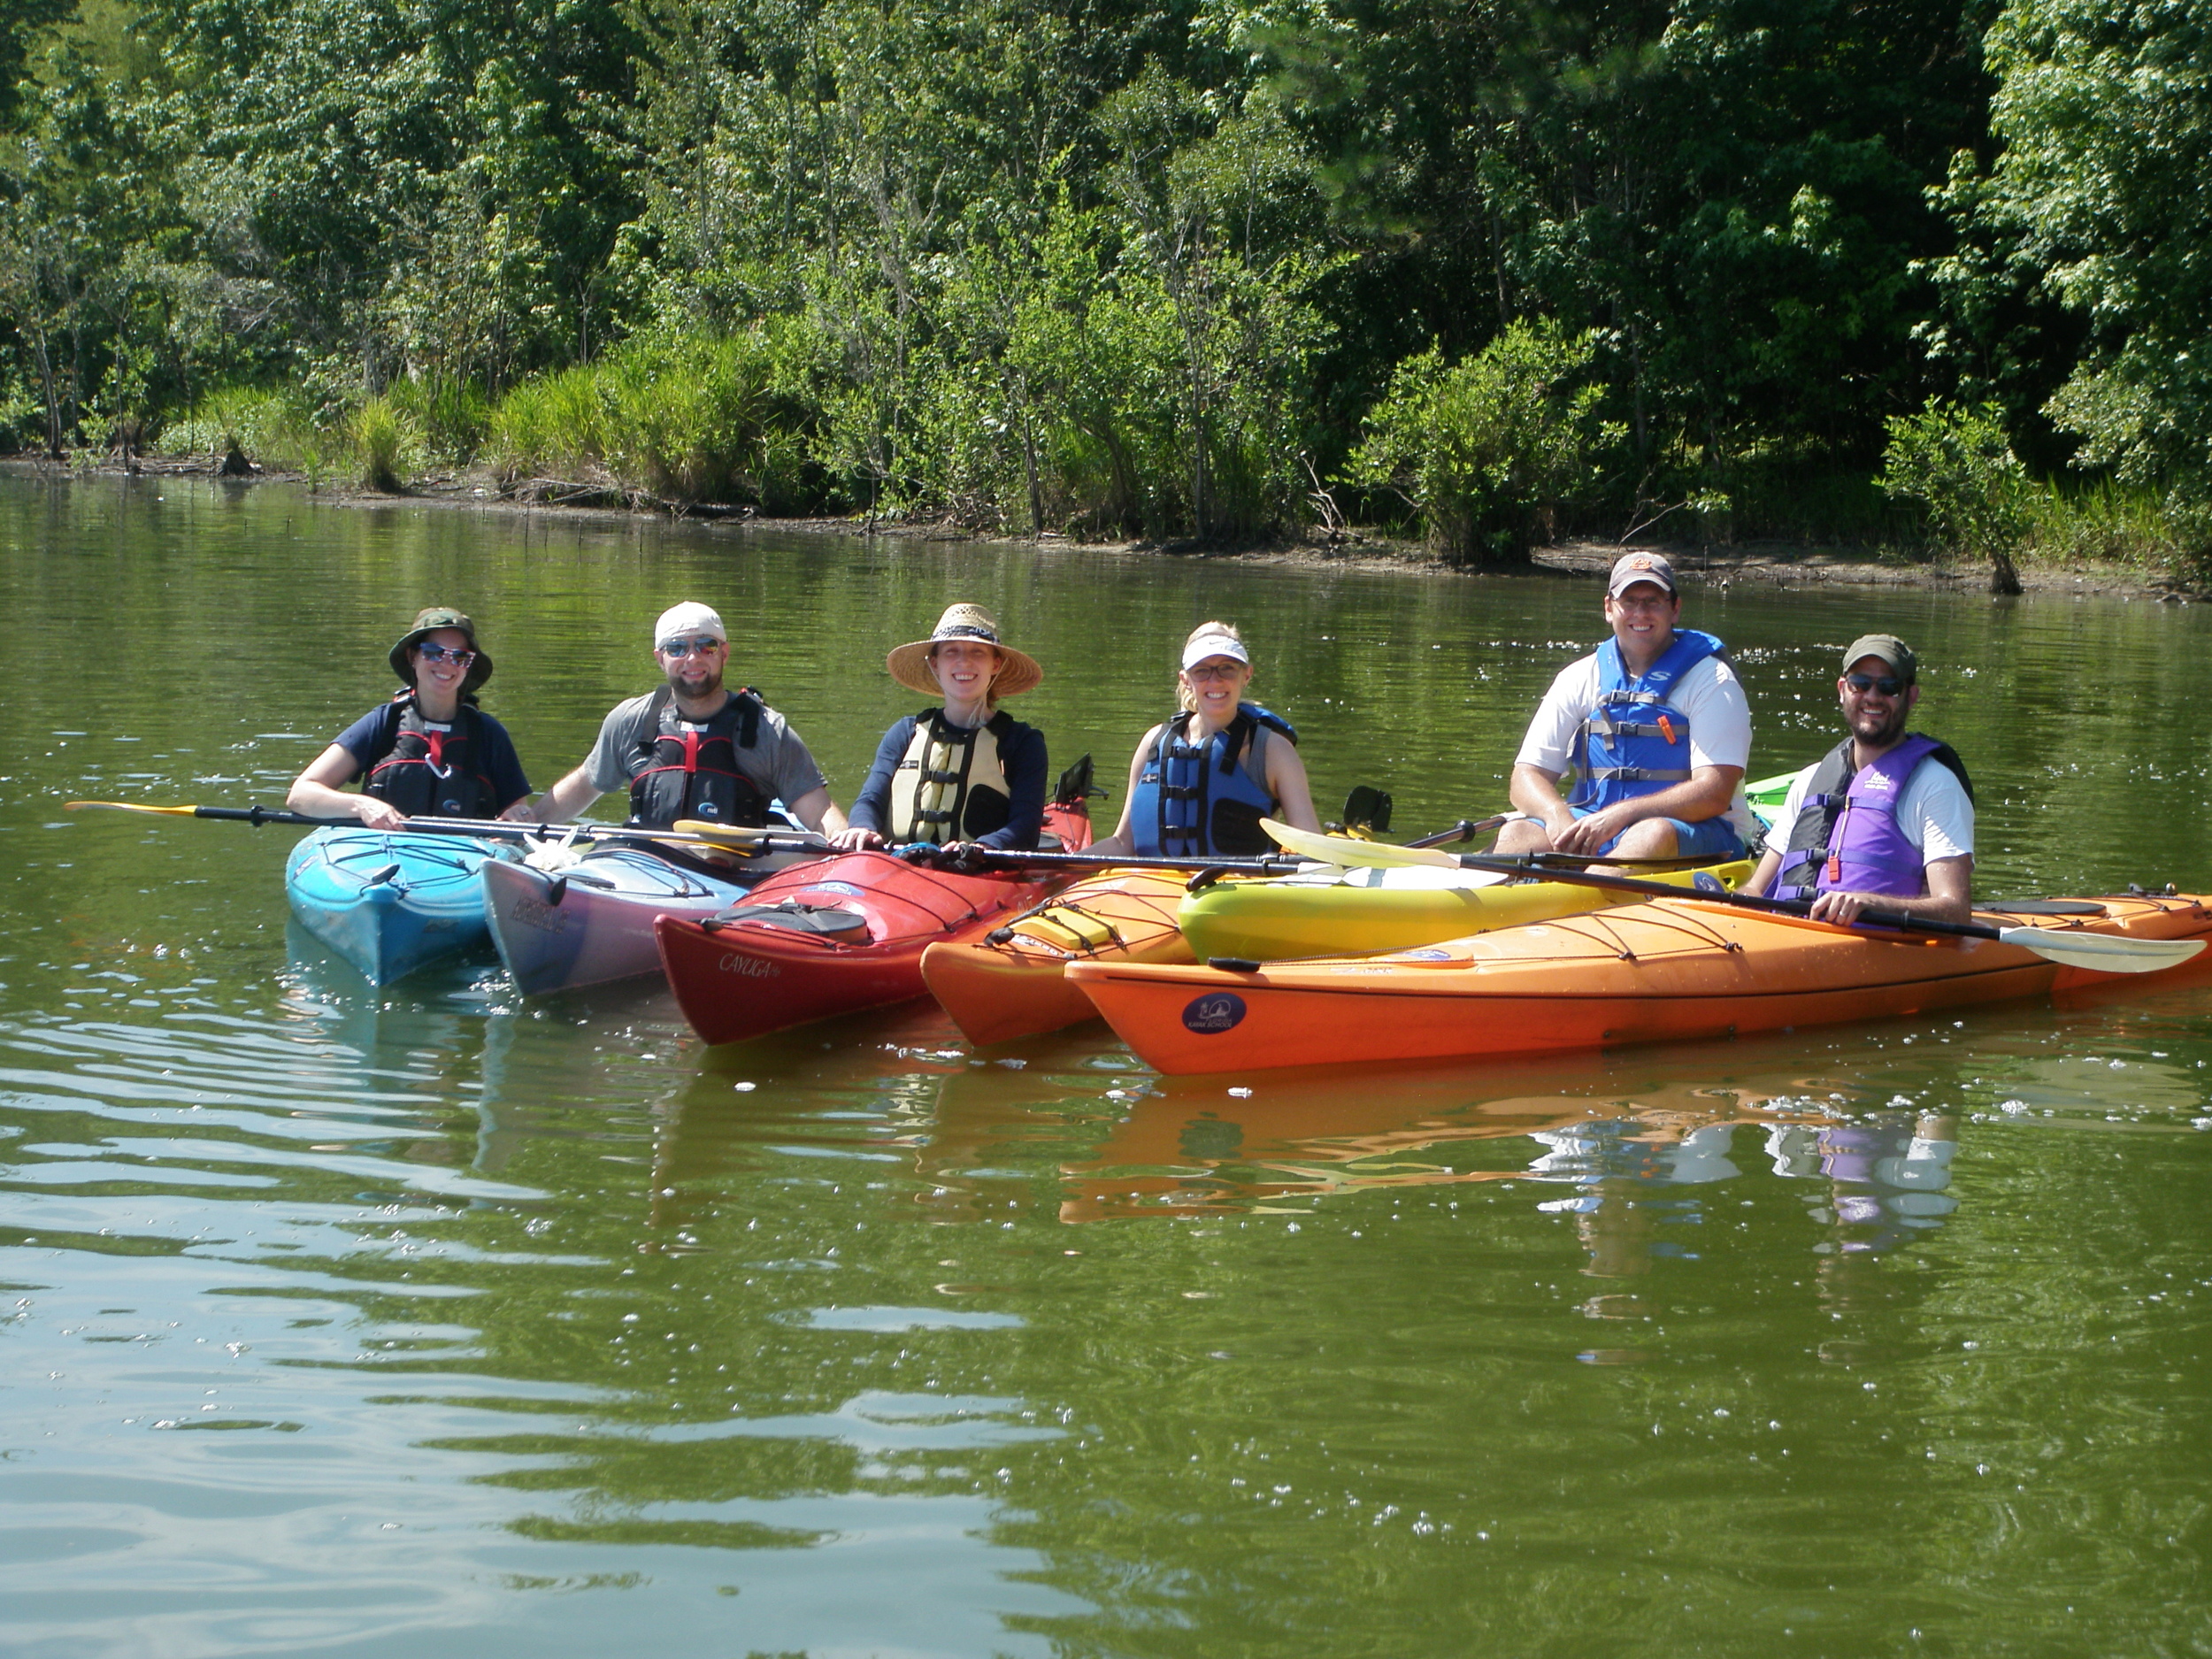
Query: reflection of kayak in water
point(389, 901)
point(1662, 970)
point(1008, 984)
point(1184, 1150)
point(1358, 912)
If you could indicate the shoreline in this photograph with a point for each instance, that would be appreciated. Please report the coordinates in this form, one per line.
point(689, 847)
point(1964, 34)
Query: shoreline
point(1771, 563)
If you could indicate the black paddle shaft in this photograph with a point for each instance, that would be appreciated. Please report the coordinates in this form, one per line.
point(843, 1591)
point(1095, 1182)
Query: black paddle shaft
point(1897, 919)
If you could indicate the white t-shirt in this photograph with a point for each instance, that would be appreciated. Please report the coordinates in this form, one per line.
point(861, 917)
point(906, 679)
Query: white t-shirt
point(1933, 812)
point(1709, 693)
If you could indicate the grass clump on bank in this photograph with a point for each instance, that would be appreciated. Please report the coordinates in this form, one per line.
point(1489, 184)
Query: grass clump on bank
point(686, 419)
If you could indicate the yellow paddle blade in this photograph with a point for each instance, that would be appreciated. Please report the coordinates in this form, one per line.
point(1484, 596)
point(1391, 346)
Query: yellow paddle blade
point(1351, 855)
point(131, 806)
point(743, 838)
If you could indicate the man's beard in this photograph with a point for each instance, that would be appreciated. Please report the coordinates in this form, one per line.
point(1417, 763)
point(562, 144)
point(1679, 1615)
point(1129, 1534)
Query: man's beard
point(1885, 734)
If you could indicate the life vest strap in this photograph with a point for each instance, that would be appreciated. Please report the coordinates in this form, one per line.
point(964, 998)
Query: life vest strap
point(1639, 774)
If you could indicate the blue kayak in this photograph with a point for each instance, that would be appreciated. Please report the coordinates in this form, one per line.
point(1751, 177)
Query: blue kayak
point(388, 902)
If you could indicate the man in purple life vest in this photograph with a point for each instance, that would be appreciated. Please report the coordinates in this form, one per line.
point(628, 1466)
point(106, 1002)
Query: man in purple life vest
point(1886, 817)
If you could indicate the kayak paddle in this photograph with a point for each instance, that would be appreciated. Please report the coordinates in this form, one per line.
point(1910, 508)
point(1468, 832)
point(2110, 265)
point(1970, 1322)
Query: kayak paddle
point(1264, 864)
point(2100, 953)
point(745, 839)
point(502, 829)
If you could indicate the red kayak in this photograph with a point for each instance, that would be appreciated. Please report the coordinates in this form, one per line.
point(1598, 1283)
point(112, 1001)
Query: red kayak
point(833, 937)
point(845, 933)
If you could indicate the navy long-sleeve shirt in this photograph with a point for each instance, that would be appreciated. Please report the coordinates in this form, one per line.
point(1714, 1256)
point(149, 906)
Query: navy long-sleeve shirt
point(1022, 752)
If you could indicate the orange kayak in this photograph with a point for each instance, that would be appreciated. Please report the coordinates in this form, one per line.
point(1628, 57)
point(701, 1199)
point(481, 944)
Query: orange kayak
point(1008, 983)
point(1665, 970)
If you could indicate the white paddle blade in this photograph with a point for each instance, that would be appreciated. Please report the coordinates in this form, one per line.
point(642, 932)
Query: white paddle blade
point(2102, 953)
point(1347, 854)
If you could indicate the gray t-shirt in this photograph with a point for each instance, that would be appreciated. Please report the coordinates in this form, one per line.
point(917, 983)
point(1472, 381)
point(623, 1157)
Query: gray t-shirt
point(778, 761)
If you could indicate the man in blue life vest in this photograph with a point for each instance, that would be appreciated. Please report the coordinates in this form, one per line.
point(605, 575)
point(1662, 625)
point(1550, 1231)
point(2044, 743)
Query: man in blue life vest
point(1656, 729)
point(1887, 819)
point(691, 748)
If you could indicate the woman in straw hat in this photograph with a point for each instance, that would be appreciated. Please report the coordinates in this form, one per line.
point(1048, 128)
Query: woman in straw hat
point(1200, 783)
point(430, 752)
point(966, 771)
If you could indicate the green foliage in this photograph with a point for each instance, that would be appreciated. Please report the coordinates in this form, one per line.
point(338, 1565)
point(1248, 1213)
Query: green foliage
point(2106, 522)
point(2098, 199)
point(273, 428)
point(385, 441)
point(1485, 449)
point(1117, 267)
point(452, 414)
point(685, 417)
point(1957, 463)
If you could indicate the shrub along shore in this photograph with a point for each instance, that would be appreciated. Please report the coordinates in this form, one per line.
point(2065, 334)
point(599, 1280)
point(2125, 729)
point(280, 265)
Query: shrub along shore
point(1784, 562)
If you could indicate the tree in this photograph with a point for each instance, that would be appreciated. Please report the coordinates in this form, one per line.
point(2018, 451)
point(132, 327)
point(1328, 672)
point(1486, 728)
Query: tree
point(1486, 449)
point(2103, 192)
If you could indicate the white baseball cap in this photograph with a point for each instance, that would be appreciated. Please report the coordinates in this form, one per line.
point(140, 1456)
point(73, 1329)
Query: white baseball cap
point(684, 621)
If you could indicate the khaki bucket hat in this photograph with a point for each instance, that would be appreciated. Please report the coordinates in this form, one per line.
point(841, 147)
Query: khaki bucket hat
point(908, 664)
point(428, 622)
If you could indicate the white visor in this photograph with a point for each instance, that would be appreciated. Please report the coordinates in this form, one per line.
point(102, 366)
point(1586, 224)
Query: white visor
point(1214, 645)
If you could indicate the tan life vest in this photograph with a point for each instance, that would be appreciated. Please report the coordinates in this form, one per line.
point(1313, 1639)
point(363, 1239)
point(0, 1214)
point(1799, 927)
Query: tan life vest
point(951, 784)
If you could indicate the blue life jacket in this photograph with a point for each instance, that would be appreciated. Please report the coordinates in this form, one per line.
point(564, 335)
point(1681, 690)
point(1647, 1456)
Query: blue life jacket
point(1206, 800)
point(1636, 742)
point(1846, 839)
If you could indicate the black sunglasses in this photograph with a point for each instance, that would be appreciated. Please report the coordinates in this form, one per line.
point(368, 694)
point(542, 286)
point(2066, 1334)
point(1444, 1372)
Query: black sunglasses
point(1888, 685)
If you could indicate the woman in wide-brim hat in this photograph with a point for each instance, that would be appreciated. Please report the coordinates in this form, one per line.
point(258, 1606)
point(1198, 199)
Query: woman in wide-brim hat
point(1201, 780)
point(430, 752)
point(962, 770)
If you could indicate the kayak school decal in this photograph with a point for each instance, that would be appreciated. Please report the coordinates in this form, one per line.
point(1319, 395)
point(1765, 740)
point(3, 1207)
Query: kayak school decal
point(1705, 881)
point(1214, 1013)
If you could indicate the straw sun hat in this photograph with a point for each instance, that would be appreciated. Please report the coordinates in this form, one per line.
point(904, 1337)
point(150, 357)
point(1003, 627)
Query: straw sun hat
point(910, 662)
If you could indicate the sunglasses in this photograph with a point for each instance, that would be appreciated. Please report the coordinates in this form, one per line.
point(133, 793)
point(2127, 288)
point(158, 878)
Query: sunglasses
point(1888, 685)
point(704, 646)
point(1215, 670)
point(430, 653)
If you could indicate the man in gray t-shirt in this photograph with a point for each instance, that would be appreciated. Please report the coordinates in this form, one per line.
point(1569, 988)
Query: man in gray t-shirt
point(691, 748)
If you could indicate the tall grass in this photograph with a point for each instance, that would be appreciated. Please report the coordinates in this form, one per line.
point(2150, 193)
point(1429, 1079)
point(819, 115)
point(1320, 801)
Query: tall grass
point(2105, 523)
point(685, 418)
point(385, 440)
point(274, 427)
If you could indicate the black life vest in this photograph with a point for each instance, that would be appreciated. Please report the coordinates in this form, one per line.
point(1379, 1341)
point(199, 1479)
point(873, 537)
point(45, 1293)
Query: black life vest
point(435, 769)
point(688, 769)
point(951, 784)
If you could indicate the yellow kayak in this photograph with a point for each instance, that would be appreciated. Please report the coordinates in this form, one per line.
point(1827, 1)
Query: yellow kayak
point(1361, 912)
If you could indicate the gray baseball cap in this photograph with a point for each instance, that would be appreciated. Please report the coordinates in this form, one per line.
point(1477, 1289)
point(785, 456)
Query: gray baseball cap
point(1890, 650)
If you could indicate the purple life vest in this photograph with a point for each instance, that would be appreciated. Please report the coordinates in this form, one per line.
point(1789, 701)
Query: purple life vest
point(1848, 839)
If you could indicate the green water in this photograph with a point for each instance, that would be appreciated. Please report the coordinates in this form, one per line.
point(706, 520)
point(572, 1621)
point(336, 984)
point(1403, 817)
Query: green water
point(429, 1322)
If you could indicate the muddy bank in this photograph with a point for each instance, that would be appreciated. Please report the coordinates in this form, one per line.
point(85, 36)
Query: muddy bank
point(1766, 564)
